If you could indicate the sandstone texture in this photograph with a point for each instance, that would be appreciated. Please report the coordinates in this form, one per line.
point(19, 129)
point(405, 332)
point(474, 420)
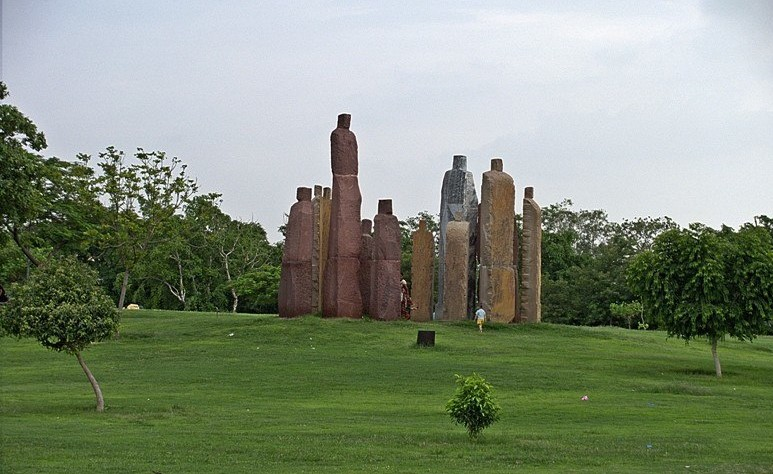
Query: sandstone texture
point(455, 275)
point(531, 264)
point(497, 224)
point(422, 272)
point(295, 284)
point(385, 284)
point(341, 290)
point(458, 202)
point(366, 259)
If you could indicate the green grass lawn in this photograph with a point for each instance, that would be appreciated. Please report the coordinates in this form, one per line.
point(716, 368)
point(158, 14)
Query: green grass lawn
point(201, 392)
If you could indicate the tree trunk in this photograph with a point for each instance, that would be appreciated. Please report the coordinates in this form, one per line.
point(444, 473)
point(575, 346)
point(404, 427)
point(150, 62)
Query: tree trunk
point(714, 354)
point(94, 384)
point(124, 285)
point(236, 300)
point(27, 253)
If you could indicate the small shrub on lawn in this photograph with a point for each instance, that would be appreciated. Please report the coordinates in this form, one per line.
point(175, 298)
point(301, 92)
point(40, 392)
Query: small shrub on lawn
point(473, 404)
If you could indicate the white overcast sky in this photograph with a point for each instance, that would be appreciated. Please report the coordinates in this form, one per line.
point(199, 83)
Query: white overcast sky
point(646, 108)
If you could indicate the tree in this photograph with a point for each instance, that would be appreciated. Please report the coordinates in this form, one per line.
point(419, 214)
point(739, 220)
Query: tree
point(407, 228)
point(705, 283)
point(141, 200)
point(473, 404)
point(62, 306)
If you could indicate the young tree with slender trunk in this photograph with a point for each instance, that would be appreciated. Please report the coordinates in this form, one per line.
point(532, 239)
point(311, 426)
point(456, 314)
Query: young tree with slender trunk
point(62, 306)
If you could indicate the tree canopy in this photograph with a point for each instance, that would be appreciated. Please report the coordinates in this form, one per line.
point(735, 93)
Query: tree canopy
point(700, 282)
point(63, 307)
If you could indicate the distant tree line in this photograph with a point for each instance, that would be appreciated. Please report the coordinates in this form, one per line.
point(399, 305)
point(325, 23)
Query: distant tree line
point(141, 223)
point(138, 220)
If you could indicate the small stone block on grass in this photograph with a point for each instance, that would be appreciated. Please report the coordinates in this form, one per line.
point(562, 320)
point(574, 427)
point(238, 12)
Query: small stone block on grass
point(426, 338)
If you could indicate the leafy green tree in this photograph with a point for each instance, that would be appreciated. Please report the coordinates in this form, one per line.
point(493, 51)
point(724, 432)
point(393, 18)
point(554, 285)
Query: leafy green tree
point(705, 283)
point(473, 404)
point(62, 306)
point(48, 204)
point(141, 200)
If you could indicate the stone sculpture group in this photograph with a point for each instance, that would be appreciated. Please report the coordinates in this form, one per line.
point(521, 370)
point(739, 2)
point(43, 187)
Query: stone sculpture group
point(340, 265)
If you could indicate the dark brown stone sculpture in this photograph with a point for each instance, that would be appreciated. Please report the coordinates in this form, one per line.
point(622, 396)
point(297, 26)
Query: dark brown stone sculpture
point(341, 289)
point(385, 284)
point(422, 272)
point(531, 264)
point(295, 284)
point(366, 257)
point(497, 273)
point(455, 277)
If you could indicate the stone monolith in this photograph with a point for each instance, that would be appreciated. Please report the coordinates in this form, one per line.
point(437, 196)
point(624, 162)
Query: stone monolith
point(315, 249)
point(531, 264)
point(341, 289)
point(295, 283)
point(458, 202)
point(385, 284)
point(497, 273)
point(422, 272)
point(366, 258)
point(455, 277)
point(324, 234)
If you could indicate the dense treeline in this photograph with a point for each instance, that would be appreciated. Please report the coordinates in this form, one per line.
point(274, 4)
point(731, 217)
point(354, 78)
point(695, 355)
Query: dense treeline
point(138, 220)
point(141, 223)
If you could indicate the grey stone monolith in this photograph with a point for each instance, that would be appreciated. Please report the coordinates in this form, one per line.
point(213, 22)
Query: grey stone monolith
point(295, 283)
point(385, 285)
point(422, 272)
point(456, 265)
point(531, 263)
point(341, 289)
point(458, 202)
point(497, 273)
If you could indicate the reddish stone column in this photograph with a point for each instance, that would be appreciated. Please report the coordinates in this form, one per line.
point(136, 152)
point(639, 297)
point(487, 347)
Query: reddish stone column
point(295, 284)
point(324, 235)
point(385, 286)
point(315, 276)
point(422, 272)
point(341, 293)
point(366, 258)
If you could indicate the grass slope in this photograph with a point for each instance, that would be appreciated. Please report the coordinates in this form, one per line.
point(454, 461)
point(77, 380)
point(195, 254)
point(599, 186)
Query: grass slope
point(199, 392)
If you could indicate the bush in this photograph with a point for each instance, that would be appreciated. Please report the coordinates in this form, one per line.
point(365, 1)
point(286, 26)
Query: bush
point(473, 405)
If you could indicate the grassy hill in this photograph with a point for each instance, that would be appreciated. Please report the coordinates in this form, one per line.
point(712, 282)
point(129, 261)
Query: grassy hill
point(203, 392)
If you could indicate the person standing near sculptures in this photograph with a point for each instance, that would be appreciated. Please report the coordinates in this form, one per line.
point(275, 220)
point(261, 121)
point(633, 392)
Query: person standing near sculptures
point(480, 318)
point(405, 300)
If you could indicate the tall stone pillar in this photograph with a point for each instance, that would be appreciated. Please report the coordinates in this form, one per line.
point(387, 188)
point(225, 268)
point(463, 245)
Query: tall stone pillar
point(455, 277)
point(341, 294)
point(295, 283)
point(422, 272)
point(516, 269)
point(366, 258)
point(385, 284)
point(458, 202)
point(325, 203)
point(315, 276)
point(497, 274)
point(531, 264)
